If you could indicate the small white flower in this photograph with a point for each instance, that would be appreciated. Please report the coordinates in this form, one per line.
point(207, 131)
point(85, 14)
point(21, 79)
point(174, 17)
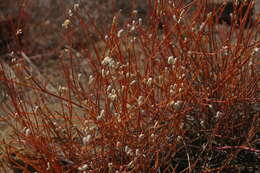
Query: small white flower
point(256, 50)
point(108, 61)
point(66, 23)
point(176, 105)
point(48, 166)
point(101, 115)
point(174, 18)
point(135, 12)
point(70, 13)
point(149, 81)
point(218, 114)
point(202, 123)
point(91, 79)
point(123, 88)
point(119, 33)
point(190, 118)
point(140, 21)
point(202, 25)
point(140, 100)
point(137, 152)
point(127, 148)
point(110, 165)
point(83, 167)
point(36, 108)
point(132, 82)
point(118, 144)
point(156, 124)
point(173, 88)
point(112, 95)
point(131, 165)
point(76, 7)
point(27, 131)
point(13, 60)
point(109, 87)
point(181, 125)
point(179, 138)
point(62, 88)
point(209, 14)
point(19, 31)
point(129, 151)
point(141, 136)
point(103, 73)
point(132, 28)
point(79, 76)
point(86, 139)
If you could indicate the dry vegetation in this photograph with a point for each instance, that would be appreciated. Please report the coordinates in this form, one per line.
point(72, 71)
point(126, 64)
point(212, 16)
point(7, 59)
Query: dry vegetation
point(159, 86)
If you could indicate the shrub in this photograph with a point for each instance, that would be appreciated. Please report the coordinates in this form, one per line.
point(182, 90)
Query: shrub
point(178, 94)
